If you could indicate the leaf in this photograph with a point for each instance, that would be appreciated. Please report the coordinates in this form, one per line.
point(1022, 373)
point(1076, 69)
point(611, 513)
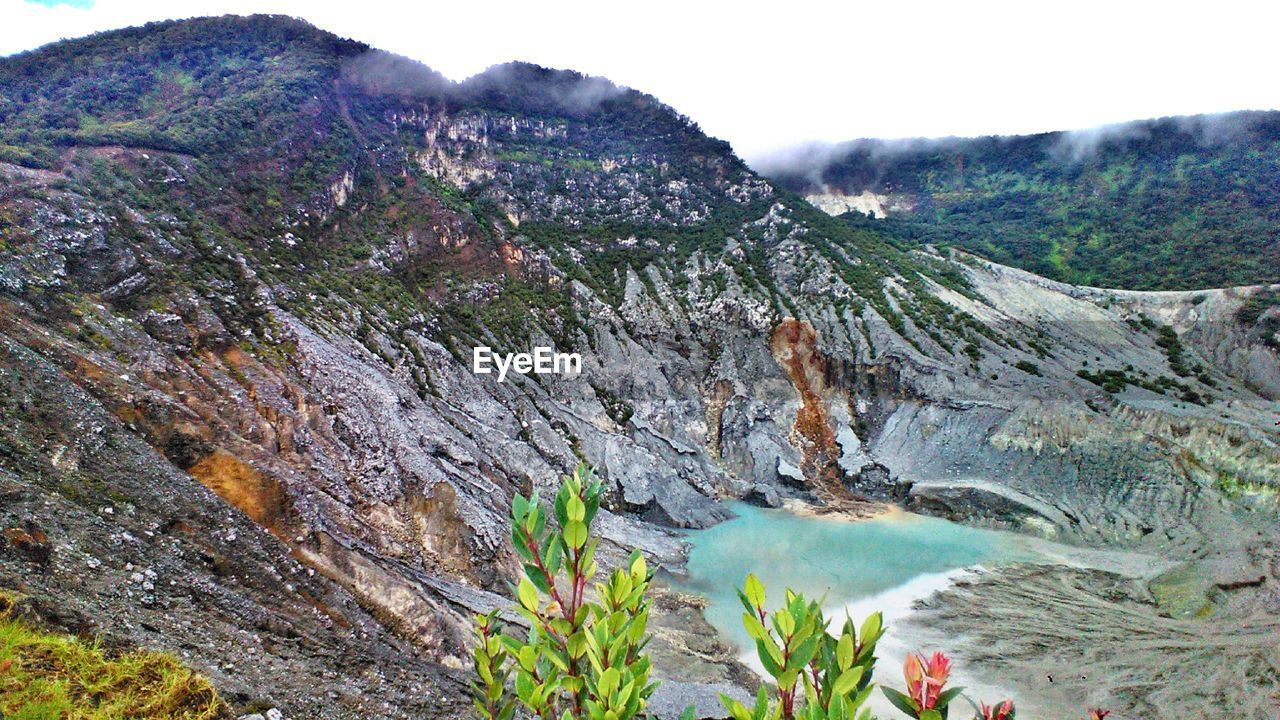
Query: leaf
point(931, 715)
point(519, 509)
point(770, 656)
point(735, 708)
point(754, 591)
point(539, 522)
point(554, 559)
point(804, 652)
point(482, 668)
point(754, 627)
point(561, 500)
point(528, 594)
point(947, 696)
point(608, 682)
point(524, 687)
point(690, 713)
point(847, 682)
point(870, 631)
point(527, 657)
point(762, 703)
point(557, 659)
point(900, 701)
point(836, 710)
point(787, 679)
point(844, 652)
point(784, 622)
point(518, 542)
point(574, 509)
point(537, 578)
point(639, 568)
point(576, 644)
point(575, 534)
point(861, 697)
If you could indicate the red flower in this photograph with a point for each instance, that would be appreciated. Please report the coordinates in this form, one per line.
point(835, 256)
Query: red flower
point(926, 678)
point(1096, 714)
point(1003, 711)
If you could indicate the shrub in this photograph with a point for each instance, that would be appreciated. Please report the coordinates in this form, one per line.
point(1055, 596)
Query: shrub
point(795, 648)
point(581, 658)
point(1028, 367)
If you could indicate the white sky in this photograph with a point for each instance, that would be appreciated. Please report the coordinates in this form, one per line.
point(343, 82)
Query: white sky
point(769, 76)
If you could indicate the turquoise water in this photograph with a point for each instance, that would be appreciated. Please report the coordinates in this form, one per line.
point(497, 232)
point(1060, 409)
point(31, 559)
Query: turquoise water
point(890, 559)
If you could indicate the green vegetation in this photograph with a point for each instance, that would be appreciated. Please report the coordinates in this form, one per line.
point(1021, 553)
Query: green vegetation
point(1251, 312)
point(1028, 367)
point(45, 676)
point(1167, 340)
point(583, 658)
point(209, 88)
point(1253, 308)
point(1177, 203)
point(1114, 381)
point(817, 676)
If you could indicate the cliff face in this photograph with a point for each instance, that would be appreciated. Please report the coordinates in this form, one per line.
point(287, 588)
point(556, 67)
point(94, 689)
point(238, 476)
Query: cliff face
point(278, 338)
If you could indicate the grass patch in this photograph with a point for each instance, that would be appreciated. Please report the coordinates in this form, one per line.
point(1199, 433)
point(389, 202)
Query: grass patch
point(47, 676)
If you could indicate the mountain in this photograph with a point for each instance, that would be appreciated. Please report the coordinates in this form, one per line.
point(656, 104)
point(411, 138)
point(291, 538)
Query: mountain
point(1170, 204)
point(244, 265)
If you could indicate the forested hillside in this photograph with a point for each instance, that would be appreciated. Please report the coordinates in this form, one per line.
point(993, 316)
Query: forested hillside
point(1170, 204)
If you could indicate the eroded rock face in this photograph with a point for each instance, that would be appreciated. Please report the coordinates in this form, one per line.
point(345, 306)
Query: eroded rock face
point(304, 373)
point(139, 553)
point(336, 450)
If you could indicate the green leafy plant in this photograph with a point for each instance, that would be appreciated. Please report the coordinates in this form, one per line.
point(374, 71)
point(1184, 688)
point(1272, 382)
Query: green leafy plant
point(818, 676)
point(583, 657)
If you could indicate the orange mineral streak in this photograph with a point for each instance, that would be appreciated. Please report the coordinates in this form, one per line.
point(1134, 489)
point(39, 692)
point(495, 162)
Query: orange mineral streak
point(794, 346)
point(237, 482)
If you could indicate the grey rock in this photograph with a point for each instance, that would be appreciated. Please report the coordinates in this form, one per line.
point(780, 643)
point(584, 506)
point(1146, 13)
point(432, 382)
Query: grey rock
point(167, 328)
point(671, 698)
point(764, 495)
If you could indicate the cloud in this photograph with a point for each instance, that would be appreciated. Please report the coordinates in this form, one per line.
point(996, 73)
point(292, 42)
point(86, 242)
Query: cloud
point(378, 71)
point(1208, 130)
point(532, 87)
point(1077, 145)
point(825, 167)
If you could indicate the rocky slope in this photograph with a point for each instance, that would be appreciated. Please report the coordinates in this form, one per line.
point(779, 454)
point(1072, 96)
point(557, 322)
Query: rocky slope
point(239, 301)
